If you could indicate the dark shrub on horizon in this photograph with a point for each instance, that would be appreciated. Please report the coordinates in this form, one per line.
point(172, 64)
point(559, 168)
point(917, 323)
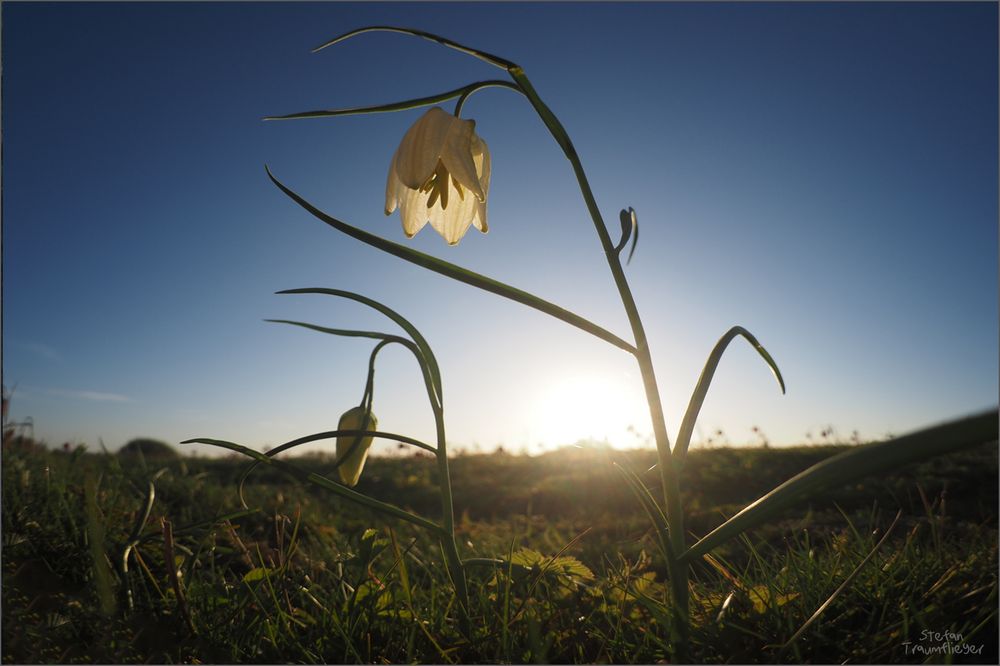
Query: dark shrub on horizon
point(149, 448)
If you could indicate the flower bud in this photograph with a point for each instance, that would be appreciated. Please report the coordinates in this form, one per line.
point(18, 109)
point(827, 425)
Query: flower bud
point(350, 467)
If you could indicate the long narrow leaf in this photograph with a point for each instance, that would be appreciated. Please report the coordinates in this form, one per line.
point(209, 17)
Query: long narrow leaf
point(850, 465)
point(405, 105)
point(330, 434)
point(425, 349)
point(497, 61)
point(323, 482)
point(347, 333)
point(652, 509)
point(143, 517)
point(457, 272)
point(385, 337)
point(705, 380)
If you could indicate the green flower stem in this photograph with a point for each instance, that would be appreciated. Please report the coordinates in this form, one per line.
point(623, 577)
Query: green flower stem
point(476, 87)
point(448, 543)
point(671, 487)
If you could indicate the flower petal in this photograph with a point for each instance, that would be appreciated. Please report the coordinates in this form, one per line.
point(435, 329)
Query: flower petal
point(421, 147)
point(452, 222)
point(413, 210)
point(393, 187)
point(457, 155)
point(481, 156)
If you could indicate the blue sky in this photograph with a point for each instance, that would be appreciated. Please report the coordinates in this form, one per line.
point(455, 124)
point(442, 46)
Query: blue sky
point(822, 174)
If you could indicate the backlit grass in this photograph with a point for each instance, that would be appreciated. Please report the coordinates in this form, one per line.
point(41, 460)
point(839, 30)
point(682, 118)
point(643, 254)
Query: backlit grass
point(307, 578)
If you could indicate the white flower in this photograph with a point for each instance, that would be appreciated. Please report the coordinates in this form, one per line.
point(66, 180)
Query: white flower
point(440, 174)
point(354, 419)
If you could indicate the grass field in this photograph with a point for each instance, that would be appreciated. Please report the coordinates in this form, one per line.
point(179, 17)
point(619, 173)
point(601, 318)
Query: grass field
point(304, 577)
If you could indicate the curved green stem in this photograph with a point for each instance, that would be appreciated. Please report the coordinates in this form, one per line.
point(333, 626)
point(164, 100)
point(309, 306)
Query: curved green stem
point(476, 87)
point(448, 543)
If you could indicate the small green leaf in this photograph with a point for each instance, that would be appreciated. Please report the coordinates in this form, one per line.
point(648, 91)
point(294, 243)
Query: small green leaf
point(260, 573)
point(566, 565)
point(527, 557)
point(626, 222)
point(635, 233)
point(570, 566)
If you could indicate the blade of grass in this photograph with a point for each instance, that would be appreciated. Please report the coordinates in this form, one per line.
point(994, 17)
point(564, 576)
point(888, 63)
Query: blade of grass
point(456, 272)
point(843, 586)
point(508, 582)
point(652, 509)
point(168, 557)
point(95, 539)
point(133, 539)
point(859, 462)
point(149, 574)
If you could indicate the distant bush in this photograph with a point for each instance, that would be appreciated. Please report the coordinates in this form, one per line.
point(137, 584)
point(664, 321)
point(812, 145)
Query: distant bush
point(149, 448)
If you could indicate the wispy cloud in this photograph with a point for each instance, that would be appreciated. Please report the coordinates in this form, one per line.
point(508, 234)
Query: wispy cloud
point(96, 396)
point(40, 349)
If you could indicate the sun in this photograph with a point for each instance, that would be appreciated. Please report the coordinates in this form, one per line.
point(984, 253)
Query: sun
point(588, 407)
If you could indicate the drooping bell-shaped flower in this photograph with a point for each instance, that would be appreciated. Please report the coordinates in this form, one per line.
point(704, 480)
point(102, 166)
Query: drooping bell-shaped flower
point(440, 174)
point(350, 468)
